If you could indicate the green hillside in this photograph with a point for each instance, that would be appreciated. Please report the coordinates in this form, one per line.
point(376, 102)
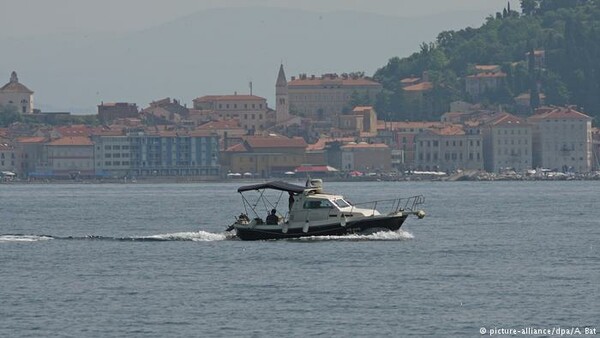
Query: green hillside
point(568, 31)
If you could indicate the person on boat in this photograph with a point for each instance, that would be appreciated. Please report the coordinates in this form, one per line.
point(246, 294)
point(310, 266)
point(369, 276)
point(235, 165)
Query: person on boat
point(273, 219)
point(291, 200)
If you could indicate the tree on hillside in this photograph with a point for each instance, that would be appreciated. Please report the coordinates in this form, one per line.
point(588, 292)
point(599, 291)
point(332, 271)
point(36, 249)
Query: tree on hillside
point(534, 98)
point(567, 30)
point(9, 115)
point(528, 7)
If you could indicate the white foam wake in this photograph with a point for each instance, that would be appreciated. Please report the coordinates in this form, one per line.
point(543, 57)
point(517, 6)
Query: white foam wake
point(23, 238)
point(199, 236)
point(398, 235)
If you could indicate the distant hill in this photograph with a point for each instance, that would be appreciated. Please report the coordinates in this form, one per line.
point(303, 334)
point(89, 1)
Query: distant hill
point(568, 31)
point(212, 51)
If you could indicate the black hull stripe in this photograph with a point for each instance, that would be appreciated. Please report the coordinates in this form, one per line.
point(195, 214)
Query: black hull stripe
point(390, 223)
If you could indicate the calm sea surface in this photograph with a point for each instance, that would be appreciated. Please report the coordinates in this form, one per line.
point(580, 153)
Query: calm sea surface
point(112, 260)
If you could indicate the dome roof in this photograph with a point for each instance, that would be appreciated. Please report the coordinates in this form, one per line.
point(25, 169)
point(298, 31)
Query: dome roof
point(13, 86)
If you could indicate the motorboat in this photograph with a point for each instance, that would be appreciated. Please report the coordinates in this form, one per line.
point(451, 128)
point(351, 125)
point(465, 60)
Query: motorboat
point(311, 211)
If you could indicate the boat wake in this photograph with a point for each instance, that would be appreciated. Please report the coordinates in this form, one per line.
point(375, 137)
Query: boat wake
point(23, 238)
point(385, 235)
point(205, 236)
point(199, 236)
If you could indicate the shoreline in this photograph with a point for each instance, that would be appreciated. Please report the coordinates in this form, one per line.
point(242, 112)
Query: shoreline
point(414, 178)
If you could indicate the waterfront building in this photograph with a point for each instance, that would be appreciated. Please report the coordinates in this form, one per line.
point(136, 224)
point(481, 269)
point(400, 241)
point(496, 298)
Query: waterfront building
point(449, 148)
point(487, 78)
point(112, 154)
point(324, 97)
point(362, 119)
point(507, 143)
point(596, 149)
point(265, 156)
point(366, 157)
point(250, 110)
point(17, 95)
point(32, 153)
point(416, 93)
point(402, 136)
point(69, 157)
point(139, 153)
point(229, 131)
point(562, 139)
point(9, 158)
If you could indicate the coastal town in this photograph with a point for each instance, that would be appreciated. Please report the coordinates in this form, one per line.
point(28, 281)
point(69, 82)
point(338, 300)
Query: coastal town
point(320, 125)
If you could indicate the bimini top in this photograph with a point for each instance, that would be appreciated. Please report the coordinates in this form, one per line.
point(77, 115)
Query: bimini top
point(275, 185)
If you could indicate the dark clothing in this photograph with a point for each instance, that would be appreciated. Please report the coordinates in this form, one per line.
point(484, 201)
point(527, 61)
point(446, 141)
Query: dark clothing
point(272, 219)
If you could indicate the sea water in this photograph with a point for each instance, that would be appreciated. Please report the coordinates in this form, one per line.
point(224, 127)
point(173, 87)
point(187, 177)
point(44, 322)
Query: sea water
point(127, 260)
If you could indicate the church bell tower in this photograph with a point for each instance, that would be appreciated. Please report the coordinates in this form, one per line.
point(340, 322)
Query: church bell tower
point(282, 106)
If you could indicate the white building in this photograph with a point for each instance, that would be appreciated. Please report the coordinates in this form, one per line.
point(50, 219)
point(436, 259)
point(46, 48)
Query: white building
point(70, 156)
point(324, 97)
point(16, 94)
point(562, 139)
point(112, 155)
point(449, 148)
point(507, 144)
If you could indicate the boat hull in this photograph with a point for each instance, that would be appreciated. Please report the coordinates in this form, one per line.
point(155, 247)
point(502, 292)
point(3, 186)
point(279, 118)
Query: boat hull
point(391, 223)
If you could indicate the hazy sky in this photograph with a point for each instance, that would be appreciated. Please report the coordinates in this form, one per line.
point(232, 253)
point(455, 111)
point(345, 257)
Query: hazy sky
point(152, 49)
point(33, 17)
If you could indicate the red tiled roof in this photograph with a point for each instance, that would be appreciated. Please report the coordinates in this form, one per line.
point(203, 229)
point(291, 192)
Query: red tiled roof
point(449, 130)
point(275, 142)
point(322, 142)
point(364, 145)
point(31, 139)
point(381, 125)
point(551, 113)
point(419, 87)
point(74, 130)
point(221, 124)
point(507, 119)
point(72, 141)
point(410, 80)
point(237, 148)
point(487, 67)
point(15, 87)
point(212, 98)
point(362, 108)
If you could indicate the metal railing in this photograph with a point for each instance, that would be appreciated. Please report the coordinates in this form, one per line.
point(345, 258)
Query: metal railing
point(391, 206)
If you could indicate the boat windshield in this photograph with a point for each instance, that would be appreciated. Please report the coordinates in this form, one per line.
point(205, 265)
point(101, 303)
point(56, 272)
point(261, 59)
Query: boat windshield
point(341, 203)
